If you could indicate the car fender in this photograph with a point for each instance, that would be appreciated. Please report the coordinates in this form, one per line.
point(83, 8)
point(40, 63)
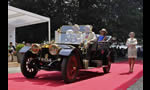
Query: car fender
point(66, 52)
point(24, 49)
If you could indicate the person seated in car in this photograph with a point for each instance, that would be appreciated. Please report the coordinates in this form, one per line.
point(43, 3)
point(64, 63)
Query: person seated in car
point(88, 38)
point(102, 36)
point(103, 50)
point(76, 28)
point(76, 36)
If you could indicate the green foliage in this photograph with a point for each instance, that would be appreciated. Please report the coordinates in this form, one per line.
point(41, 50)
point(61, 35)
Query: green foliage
point(19, 46)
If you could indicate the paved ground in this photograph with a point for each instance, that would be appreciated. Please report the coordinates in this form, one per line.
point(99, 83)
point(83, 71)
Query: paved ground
point(13, 67)
point(138, 85)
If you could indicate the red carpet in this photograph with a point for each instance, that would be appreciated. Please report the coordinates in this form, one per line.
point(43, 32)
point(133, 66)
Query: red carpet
point(91, 79)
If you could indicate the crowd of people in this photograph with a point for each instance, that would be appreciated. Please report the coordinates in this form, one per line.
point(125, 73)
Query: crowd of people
point(122, 52)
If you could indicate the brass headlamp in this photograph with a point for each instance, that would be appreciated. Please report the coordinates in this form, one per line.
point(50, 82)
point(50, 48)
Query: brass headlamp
point(35, 48)
point(54, 49)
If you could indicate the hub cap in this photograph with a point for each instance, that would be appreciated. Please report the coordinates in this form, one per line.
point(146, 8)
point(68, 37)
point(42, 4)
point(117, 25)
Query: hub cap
point(72, 67)
point(30, 65)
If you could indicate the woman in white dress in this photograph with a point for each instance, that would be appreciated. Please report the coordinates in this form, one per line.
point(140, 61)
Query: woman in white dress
point(132, 51)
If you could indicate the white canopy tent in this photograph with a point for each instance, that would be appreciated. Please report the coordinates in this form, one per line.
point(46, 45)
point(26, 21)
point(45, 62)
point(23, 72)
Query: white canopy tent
point(18, 18)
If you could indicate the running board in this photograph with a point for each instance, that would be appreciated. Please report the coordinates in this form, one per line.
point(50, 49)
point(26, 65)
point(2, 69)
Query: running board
point(98, 62)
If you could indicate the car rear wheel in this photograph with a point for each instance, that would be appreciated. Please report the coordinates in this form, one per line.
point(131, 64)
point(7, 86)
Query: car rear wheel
point(28, 67)
point(107, 68)
point(69, 68)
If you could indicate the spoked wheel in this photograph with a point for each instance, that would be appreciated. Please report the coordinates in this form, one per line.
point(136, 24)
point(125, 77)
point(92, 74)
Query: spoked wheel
point(70, 69)
point(107, 69)
point(28, 67)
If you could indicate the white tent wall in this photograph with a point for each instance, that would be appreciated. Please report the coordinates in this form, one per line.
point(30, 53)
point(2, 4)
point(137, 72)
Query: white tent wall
point(18, 18)
point(11, 34)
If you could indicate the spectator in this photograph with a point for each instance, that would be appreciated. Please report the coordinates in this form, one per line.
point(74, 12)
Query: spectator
point(11, 50)
point(142, 51)
point(138, 52)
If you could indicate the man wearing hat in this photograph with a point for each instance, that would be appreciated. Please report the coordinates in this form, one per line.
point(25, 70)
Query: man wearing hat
point(103, 33)
point(104, 50)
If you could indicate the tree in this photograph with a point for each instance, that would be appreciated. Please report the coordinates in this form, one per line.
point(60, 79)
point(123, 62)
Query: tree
point(119, 17)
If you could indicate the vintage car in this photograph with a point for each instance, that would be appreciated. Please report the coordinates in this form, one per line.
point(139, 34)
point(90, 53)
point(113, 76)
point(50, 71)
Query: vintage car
point(65, 54)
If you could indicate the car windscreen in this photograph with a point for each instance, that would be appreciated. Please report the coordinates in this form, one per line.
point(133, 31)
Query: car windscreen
point(68, 38)
point(68, 35)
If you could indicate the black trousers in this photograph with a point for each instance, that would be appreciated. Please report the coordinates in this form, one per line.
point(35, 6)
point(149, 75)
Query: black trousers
point(104, 56)
point(89, 52)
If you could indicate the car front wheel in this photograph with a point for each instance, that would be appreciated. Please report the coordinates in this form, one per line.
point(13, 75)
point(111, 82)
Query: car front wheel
point(28, 67)
point(69, 68)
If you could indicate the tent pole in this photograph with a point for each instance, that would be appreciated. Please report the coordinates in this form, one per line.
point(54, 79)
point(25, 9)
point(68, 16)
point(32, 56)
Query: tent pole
point(49, 31)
